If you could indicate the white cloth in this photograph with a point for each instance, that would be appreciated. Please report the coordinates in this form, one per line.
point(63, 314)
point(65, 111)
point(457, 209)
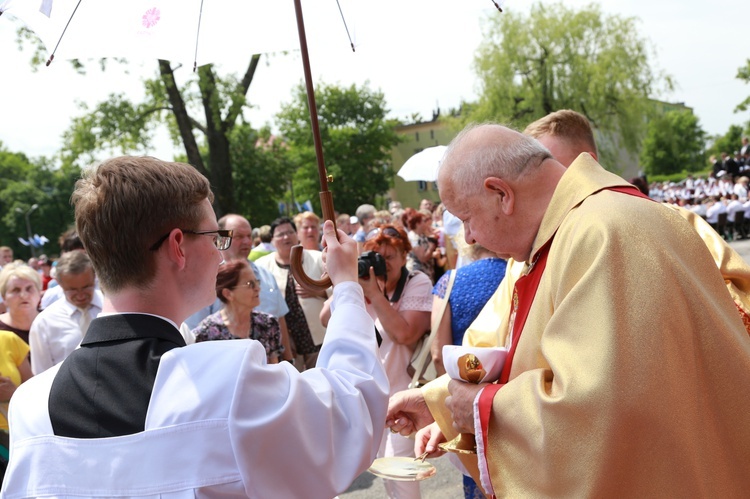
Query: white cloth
point(56, 332)
point(713, 212)
point(733, 207)
point(51, 295)
point(312, 263)
point(222, 423)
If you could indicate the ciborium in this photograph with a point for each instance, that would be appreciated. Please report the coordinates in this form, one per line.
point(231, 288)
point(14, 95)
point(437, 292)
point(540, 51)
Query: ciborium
point(471, 365)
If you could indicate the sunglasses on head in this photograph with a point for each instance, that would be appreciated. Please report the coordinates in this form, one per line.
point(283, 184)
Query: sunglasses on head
point(388, 231)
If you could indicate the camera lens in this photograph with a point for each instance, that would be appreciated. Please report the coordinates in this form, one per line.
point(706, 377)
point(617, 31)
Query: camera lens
point(363, 268)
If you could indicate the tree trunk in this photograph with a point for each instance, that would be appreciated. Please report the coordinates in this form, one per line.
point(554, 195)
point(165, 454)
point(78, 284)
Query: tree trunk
point(218, 143)
point(184, 122)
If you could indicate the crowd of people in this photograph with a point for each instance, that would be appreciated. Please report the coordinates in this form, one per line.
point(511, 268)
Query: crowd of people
point(719, 197)
point(612, 330)
point(256, 297)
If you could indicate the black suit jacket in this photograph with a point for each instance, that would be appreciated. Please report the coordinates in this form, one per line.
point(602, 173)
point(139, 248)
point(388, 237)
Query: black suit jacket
point(103, 388)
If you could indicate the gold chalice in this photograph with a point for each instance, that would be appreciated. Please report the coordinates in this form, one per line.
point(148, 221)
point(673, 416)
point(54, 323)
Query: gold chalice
point(471, 365)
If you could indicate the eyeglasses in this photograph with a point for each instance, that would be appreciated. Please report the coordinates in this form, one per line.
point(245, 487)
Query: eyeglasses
point(75, 291)
point(249, 284)
point(281, 235)
point(388, 231)
point(222, 238)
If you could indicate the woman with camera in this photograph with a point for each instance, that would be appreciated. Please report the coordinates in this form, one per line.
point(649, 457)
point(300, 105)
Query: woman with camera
point(400, 302)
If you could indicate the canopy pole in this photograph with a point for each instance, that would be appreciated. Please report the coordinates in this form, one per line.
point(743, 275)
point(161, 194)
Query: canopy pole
point(326, 198)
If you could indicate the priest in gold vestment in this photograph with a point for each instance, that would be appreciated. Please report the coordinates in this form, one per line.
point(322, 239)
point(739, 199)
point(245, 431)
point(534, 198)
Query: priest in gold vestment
point(567, 134)
point(630, 377)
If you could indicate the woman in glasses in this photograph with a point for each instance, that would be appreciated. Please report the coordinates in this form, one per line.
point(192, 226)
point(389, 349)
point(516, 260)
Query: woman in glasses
point(239, 290)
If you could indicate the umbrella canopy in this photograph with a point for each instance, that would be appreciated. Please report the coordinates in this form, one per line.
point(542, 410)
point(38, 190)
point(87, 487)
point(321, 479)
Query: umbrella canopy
point(423, 165)
point(187, 31)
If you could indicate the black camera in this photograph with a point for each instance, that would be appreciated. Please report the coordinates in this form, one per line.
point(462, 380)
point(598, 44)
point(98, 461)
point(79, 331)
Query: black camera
point(370, 259)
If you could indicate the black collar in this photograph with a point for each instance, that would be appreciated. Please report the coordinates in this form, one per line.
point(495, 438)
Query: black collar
point(130, 327)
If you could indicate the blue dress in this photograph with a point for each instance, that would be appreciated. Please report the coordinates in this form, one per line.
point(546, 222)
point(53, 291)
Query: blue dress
point(475, 283)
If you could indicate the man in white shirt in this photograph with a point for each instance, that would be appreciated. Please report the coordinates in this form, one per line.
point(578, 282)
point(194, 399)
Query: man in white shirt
point(69, 241)
point(59, 328)
point(207, 420)
point(733, 206)
point(715, 208)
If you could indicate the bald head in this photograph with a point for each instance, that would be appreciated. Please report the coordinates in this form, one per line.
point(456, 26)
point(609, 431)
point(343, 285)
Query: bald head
point(499, 183)
point(488, 150)
point(242, 238)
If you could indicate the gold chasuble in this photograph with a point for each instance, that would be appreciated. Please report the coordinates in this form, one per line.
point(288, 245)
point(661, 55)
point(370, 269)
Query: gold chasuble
point(632, 375)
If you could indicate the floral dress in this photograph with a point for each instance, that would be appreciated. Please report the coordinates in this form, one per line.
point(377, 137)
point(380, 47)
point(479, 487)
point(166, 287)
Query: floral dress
point(263, 327)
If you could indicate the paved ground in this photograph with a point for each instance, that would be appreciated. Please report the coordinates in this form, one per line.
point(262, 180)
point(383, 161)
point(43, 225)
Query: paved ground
point(446, 484)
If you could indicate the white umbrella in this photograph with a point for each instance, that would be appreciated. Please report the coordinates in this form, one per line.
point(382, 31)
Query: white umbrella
point(423, 165)
point(186, 31)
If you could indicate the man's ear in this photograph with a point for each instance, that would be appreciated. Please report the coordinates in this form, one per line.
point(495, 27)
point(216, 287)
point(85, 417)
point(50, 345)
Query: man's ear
point(501, 193)
point(176, 249)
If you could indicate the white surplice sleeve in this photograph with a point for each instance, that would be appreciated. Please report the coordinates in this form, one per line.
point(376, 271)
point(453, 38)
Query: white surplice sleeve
point(311, 434)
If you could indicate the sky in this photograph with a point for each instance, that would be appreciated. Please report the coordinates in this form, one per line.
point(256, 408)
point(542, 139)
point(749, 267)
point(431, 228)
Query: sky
point(419, 53)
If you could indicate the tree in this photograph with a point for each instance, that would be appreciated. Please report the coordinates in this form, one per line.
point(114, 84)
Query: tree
point(357, 140)
point(674, 143)
point(729, 142)
point(743, 73)
point(561, 58)
point(204, 115)
point(25, 182)
point(265, 162)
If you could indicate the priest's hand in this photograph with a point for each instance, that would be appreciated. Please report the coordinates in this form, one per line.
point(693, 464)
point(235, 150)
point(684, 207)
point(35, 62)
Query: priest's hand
point(461, 404)
point(407, 412)
point(427, 440)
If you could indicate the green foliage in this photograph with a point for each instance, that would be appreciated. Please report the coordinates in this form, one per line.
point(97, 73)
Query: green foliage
point(25, 182)
point(674, 142)
point(728, 143)
point(260, 165)
point(743, 74)
point(357, 140)
point(200, 114)
point(114, 126)
point(562, 58)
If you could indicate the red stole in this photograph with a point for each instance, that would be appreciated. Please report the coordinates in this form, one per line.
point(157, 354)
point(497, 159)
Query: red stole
point(523, 296)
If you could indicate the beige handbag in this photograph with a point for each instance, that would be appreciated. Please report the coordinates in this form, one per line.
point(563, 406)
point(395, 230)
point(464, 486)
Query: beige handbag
point(421, 368)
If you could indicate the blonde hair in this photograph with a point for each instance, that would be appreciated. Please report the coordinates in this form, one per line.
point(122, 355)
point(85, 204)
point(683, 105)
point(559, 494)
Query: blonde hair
point(306, 215)
point(567, 124)
point(20, 270)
